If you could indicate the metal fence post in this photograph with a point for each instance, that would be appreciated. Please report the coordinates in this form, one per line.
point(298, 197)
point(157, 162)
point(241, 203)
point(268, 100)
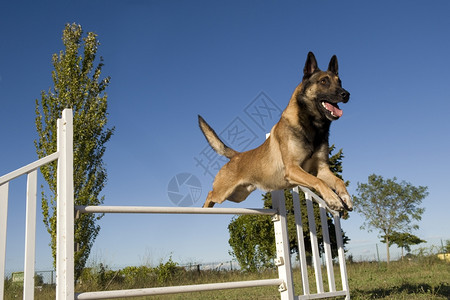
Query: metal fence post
point(65, 210)
point(314, 243)
point(327, 248)
point(30, 236)
point(341, 254)
point(3, 224)
point(300, 241)
point(283, 260)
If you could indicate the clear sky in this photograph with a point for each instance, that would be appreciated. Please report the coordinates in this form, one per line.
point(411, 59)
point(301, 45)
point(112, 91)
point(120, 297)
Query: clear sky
point(172, 60)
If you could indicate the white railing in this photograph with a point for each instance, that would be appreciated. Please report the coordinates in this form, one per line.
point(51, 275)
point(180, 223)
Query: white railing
point(64, 155)
point(285, 279)
point(65, 235)
point(332, 292)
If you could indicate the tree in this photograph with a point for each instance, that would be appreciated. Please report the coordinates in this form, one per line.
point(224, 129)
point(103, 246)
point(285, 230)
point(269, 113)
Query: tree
point(403, 240)
point(389, 206)
point(77, 85)
point(252, 237)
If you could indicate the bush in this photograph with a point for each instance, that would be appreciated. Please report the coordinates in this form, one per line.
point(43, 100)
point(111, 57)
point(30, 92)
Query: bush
point(136, 276)
point(167, 271)
point(99, 277)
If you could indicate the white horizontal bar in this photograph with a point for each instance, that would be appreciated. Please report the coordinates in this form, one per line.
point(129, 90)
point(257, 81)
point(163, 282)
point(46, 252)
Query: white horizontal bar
point(323, 295)
point(177, 289)
point(175, 210)
point(28, 168)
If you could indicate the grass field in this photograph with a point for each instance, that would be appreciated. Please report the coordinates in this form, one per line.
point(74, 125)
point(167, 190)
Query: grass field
point(428, 278)
point(424, 278)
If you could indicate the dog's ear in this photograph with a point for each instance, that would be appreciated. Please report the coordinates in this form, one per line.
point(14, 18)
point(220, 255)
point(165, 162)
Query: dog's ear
point(333, 66)
point(310, 66)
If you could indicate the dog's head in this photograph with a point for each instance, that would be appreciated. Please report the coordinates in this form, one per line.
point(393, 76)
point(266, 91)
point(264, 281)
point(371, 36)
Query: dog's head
point(321, 91)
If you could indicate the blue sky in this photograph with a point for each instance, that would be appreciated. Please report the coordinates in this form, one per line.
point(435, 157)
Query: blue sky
point(172, 60)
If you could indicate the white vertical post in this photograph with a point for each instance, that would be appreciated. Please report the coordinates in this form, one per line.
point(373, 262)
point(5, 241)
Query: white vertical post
point(283, 260)
point(301, 241)
point(327, 247)
point(341, 254)
point(30, 236)
point(65, 210)
point(3, 225)
point(314, 243)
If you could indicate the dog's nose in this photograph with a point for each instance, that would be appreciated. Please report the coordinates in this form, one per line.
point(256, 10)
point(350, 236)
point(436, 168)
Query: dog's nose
point(345, 96)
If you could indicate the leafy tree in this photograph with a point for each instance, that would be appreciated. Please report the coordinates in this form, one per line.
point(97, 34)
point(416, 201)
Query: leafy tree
point(403, 240)
point(252, 238)
point(77, 85)
point(389, 206)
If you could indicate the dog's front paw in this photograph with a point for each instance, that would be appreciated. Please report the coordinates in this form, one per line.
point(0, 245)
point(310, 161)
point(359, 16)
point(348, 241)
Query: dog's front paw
point(337, 206)
point(347, 201)
point(333, 201)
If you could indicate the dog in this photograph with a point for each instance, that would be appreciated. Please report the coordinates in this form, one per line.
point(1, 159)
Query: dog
point(296, 152)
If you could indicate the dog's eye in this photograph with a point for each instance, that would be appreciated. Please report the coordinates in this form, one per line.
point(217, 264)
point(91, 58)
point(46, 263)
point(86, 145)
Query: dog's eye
point(324, 81)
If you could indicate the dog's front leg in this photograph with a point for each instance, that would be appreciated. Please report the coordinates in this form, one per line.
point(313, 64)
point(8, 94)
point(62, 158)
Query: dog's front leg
point(336, 184)
point(297, 176)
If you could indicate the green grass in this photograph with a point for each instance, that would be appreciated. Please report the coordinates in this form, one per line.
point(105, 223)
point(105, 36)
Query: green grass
point(424, 278)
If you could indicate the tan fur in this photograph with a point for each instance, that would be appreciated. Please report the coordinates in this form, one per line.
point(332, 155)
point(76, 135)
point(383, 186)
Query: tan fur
point(296, 152)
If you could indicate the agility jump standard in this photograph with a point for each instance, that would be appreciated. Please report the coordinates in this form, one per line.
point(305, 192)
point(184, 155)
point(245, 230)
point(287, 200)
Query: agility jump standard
point(65, 288)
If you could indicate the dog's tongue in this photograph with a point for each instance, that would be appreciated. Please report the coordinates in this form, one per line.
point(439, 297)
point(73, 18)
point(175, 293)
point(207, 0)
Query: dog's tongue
point(334, 109)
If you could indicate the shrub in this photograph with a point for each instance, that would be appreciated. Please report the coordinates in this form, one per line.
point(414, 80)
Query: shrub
point(166, 272)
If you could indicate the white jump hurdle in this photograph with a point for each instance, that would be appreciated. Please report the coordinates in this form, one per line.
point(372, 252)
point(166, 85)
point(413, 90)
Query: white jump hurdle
point(64, 155)
point(65, 235)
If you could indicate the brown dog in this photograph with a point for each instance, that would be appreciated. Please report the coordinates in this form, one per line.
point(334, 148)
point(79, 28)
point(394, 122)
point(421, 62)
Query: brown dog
point(296, 152)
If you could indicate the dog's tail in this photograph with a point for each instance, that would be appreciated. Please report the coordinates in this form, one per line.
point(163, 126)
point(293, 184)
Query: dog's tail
point(214, 140)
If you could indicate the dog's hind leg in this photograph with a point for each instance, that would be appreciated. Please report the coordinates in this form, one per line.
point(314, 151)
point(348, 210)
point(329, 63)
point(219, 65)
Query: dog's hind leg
point(238, 194)
point(215, 196)
point(222, 188)
point(227, 186)
point(209, 202)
